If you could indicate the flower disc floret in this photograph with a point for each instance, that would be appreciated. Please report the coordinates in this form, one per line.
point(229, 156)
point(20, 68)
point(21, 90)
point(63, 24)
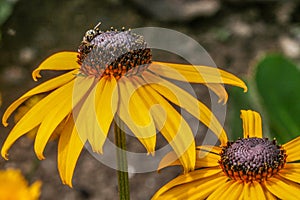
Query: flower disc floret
point(252, 159)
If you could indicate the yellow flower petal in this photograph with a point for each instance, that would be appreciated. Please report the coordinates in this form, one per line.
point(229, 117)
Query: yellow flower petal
point(61, 107)
point(171, 159)
point(106, 99)
point(220, 190)
point(268, 194)
point(183, 99)
point(292, 150)
point(291, 171)
point(59, 61)
point(233, 192)
point(209, 148)
point(62, 149)
point(251, 124)
point(204, 159)
point(205, 187)
point(253, 191)
point(13, 186)
point(172, 126)
point(35, 190)
point(219, 90)
point(35, 116)
point(44, 87)
point(140, 122)
point(283, 189)
point(194, 190)
point(196, 74)
point(53, 118)
point(207, 159)
point(69, 148)
point(207, 175)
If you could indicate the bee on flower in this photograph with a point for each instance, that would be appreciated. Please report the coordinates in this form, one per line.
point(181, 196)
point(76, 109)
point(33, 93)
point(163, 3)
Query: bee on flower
point(112, 77)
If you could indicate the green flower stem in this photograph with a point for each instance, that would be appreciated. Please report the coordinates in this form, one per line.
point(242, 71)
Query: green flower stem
point(120, 140)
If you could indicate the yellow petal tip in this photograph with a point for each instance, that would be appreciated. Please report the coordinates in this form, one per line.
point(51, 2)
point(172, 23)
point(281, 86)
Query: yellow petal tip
point(4, 155)
point(5, 124)
point(36, 74)
point(41, 156)
point(245, 88)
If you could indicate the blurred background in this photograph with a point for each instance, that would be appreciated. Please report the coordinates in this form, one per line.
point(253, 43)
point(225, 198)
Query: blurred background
point(256, 40)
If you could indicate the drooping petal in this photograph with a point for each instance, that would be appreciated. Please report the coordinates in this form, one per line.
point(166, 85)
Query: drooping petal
point(251, 124)
point(196, 74)
point(283, 189)
point(44, 87)
point(292, 150)
point(135, 114)
point(69, 147)
point(219, 90)
point(95, 116)
point(106, 99)
point(59, 61)
point(63, 148)
point(35, 116)
point(171, 159)
point(58, 112)
point(183, 99)
point(291, 171)
point(171, 125)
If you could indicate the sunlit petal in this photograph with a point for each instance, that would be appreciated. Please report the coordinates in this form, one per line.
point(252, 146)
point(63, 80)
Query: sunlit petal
point(34, 116)
point(44, 87)
point(292, 150)
point(69, 148)
point(136, 115)
point(291, 171)
point(187, 102)
point(58, 113)
point(59, 61)
point(233, 192)
point(283, 189)
point(172, 126)
point(220, 190)
point(251, 124)
point(193, 190)
point(210, 148)
point(219, 90)
point(193, 176)
point(207, 159)
point(106, 103)
point(196, 74)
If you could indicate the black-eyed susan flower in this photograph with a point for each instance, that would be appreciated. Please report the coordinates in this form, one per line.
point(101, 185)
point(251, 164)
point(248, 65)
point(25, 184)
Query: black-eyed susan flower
point(13, 186)
point(113, 75)
point(250, 168)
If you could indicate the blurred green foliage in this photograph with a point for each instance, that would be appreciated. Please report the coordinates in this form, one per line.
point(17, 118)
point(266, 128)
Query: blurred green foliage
point(6, 8)
point(274, 91)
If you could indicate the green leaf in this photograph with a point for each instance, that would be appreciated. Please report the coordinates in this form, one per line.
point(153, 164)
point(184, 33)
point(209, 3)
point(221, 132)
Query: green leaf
point(238, 100)
point(278, 83)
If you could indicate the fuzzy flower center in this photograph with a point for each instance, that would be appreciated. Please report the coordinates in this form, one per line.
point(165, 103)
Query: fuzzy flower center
point(113, 53)
point(252, 159)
